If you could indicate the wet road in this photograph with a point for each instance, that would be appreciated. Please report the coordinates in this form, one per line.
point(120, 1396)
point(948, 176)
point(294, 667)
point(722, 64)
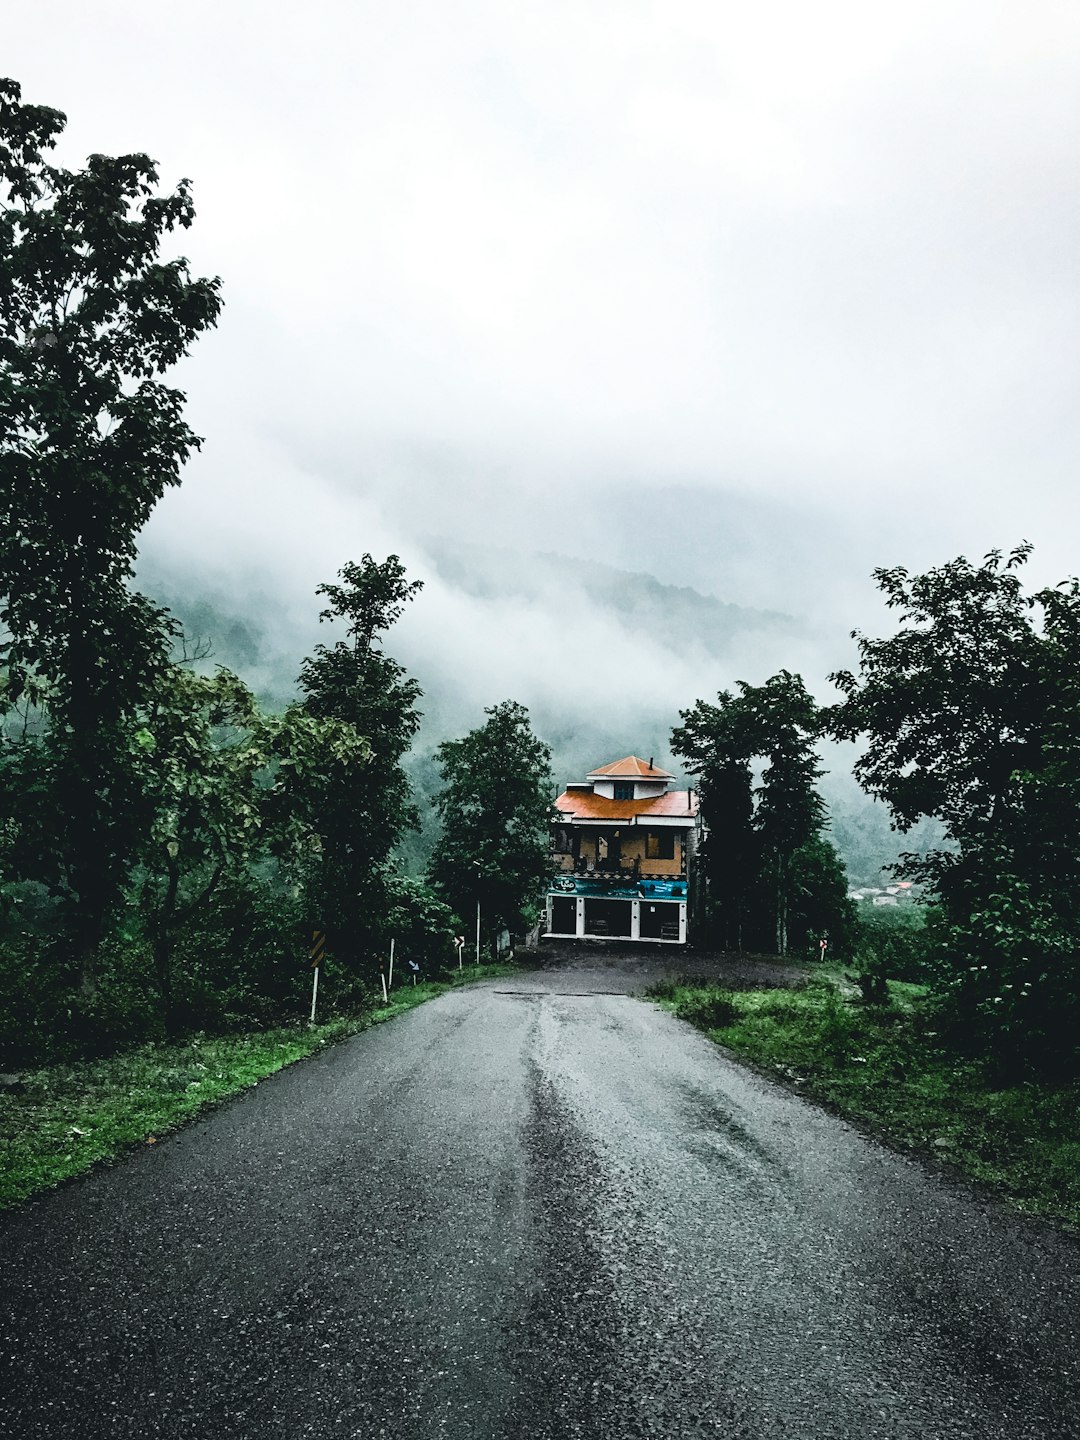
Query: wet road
point(532, 1214)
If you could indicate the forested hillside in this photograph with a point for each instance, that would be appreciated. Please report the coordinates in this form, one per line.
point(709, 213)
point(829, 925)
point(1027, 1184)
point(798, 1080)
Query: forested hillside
point(259, 635)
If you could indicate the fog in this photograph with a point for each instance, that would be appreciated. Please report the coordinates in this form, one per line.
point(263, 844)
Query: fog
point(746, 299)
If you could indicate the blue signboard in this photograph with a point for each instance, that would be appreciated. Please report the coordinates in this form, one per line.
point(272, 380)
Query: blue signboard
point(615, 890)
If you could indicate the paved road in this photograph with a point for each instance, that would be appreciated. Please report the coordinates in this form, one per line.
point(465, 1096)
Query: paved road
point(538, 1214)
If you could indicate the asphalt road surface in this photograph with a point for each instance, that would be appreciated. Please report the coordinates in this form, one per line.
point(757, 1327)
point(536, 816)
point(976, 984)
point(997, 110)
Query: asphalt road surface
point(531, 1209)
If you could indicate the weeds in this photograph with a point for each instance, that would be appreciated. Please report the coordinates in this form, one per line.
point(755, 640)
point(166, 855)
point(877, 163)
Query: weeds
point(708, 1009)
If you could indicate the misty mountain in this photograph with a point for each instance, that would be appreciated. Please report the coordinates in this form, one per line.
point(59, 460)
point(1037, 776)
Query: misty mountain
point(639, 601)
point(604, 658)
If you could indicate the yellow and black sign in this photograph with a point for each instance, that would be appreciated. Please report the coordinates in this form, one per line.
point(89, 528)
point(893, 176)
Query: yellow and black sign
point(318, 945)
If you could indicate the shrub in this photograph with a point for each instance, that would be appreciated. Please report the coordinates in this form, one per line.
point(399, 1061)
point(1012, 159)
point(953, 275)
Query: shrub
point(895, 944)
point(836, 1028)
point(708, 1009)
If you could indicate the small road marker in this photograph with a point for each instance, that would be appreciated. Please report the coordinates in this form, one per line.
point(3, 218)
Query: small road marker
point(318, 945)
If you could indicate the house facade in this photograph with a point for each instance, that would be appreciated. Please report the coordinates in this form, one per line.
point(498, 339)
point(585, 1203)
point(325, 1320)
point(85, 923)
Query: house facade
point(622, 842)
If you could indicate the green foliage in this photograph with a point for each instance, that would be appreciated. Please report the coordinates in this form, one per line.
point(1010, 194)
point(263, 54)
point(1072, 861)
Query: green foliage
point(496, 812)
point(971, 714)
point(217, 779)
point(715, 743)
point(835, 1028)
point(662, 989)
point(46, 1015)
point(819, 907)
point(769, 878)
point(360, 814)
point(708, 1009)
point(423, 925)
point(241, 958)
point(90, 437)
point(896, 943)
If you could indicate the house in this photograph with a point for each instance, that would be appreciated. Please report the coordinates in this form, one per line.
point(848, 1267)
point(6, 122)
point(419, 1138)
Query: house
point(622, 843)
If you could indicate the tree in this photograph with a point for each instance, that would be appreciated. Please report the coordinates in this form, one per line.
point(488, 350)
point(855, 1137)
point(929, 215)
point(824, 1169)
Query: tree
point(969, 713)
point(90, 437)
point(753, 835)
point(713, 743)
point(361, 818)
point(790, 813)
point(496, 812)
point(201, 747)
point(422, 925)
point(818, 906)
point(218, 779)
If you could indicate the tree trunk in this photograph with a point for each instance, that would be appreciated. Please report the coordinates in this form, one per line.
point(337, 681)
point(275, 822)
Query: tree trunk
point(781, 910)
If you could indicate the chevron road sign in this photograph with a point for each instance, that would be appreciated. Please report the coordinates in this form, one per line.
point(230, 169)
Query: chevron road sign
point(318, 945)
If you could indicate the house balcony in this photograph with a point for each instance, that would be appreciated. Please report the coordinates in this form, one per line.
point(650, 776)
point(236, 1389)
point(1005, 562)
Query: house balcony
point(628, 857)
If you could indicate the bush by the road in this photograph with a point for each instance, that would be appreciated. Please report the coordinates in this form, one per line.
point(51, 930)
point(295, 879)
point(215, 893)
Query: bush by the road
point(708, 1009)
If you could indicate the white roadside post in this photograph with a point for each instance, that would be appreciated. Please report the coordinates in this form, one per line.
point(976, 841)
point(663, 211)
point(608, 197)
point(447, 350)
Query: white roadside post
point(478, 932)
point(390, 982)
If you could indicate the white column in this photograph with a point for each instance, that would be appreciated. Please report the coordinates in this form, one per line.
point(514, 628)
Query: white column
point(682, 923)
point(580, 922)
point(635, 919)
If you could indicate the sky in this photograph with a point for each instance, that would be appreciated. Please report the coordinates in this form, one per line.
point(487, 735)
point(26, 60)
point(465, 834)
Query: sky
point(749, 298)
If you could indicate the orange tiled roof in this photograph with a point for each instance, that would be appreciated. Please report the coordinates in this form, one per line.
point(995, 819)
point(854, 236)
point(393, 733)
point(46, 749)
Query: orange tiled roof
point(631, 768)
point(587, 805)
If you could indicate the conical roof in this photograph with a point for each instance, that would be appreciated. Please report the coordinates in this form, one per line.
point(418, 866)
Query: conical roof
point(630, 767)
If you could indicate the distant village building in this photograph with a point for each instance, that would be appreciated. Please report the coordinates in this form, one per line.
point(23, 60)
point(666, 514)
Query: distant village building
point(622, 844)
point(903, 892)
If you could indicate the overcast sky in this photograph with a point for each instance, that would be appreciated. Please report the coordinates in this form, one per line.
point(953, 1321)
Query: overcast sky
point(753, 297)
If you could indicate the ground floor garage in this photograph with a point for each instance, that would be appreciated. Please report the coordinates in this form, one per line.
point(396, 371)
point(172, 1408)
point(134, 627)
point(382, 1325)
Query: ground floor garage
point(640, 916)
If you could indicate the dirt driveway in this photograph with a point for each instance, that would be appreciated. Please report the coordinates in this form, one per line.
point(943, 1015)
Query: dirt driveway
point(627, 969)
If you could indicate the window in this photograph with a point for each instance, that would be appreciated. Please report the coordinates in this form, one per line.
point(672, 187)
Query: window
point(624, 789)
point(660, 845)
point(564, 841)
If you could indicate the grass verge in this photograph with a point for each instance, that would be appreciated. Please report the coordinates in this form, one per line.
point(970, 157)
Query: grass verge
point(67, 1118)
point(887, 1069)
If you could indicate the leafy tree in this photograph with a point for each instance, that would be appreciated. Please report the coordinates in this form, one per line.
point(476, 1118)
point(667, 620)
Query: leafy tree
point(818, 906)
point(202, 748)
point(949, 703)
point(894, 942)
point(753, 835)
point(360, 817)
point(496, 814)
point(422, 925)
point(90, 319)
point(218, 779)
point(970, 713)
point(715, 746)
point(790, 813)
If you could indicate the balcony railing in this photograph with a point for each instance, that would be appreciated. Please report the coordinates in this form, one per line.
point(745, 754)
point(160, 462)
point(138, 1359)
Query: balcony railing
point(629, 870)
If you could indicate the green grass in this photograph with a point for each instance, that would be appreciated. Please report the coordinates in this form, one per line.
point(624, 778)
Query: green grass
point(887, 1069)
point(69, 1118)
